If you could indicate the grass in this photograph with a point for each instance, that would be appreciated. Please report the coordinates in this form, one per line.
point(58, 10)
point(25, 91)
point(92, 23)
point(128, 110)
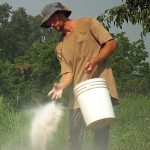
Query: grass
point(132, 128)
point(131, 131)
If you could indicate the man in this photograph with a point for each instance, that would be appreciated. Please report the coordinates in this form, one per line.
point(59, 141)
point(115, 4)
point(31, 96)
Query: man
point(83, 51)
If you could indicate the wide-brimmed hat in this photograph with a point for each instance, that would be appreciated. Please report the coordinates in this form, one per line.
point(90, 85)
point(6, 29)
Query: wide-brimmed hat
point(52, 8)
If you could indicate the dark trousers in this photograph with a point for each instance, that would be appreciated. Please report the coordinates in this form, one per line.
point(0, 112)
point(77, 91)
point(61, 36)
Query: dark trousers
point(76, 130)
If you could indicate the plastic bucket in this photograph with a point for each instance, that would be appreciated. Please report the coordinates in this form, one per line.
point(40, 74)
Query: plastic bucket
point(95, 102)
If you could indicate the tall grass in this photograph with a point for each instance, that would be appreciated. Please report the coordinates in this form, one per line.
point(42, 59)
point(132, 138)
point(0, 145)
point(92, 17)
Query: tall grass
point(131, 131)
point(13, 128)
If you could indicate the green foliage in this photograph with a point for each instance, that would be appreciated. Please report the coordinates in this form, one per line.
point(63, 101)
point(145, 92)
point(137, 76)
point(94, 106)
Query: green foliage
point(28, 63)
point(130, 67)
point(39, 66)
point(5, 11)
point(135, 11)
point(18, 31)
point(30, 77)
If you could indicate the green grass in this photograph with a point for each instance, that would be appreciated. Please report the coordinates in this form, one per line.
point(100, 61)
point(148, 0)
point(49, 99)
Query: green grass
point(131, 131)
point(132, 128)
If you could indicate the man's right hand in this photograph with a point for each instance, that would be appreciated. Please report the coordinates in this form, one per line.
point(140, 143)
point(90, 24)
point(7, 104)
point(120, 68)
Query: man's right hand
point(56, 92)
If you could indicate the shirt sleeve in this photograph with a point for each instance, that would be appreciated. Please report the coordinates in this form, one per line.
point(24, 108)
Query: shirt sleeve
point(99, 32)
point(65, 68)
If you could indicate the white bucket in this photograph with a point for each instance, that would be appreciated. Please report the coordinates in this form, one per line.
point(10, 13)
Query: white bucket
point(95, 102)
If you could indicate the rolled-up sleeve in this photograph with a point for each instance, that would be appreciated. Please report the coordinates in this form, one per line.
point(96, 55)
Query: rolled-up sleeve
point(99, 32)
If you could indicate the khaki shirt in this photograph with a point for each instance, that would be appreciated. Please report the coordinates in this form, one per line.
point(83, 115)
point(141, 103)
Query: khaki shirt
point(79, 47)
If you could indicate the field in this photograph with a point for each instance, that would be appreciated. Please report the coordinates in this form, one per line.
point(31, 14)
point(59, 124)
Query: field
point(131, 130)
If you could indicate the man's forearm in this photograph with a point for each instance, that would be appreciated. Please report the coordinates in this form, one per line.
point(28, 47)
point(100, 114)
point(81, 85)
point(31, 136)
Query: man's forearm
point(103, 55)
point(66, 80)
point(106, 51)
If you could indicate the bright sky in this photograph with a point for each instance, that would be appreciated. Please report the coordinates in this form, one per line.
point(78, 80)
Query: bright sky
point(82, 8)
point(79, 7)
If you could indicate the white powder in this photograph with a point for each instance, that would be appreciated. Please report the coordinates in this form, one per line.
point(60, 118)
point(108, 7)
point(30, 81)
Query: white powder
point(44, 124)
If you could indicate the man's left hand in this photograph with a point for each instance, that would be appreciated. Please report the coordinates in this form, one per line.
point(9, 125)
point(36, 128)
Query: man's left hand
point(90, 66)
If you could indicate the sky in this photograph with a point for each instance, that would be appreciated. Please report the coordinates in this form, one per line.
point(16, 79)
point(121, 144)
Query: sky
point(82, 8)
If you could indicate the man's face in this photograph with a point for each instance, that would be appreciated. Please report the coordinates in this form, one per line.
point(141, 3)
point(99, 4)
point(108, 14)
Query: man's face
point(56, 22)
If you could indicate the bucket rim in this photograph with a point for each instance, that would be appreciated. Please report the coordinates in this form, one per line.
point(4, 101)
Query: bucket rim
point(80, 91)
point(89, 81)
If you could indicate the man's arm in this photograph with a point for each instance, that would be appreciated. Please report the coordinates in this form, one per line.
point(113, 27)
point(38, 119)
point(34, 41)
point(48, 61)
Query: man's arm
point(58, 88)
point(103, 55)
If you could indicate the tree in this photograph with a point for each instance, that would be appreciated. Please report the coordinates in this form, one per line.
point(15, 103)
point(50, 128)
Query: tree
point(27, 62)
point(130, 67)
point(18, 31)
point(29, 78)
point(5, 11)
point(135, 11)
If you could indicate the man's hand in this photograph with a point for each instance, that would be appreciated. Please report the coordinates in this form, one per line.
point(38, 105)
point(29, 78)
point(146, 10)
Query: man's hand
point(90, 66)
point(56, 92)
point(107, 49)
point(64, 82)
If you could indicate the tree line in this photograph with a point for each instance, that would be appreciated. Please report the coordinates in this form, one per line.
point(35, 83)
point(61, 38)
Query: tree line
point(29, 67)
